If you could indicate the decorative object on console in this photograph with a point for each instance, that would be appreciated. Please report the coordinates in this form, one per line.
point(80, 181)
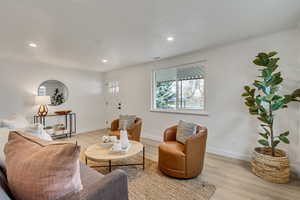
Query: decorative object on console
point(69, 125)
point(264, 100)
point(63, 112)
point(43, 101)
point(59, 129)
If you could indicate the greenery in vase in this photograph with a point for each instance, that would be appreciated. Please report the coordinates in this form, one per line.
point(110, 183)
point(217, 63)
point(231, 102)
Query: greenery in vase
point(57, 98)
point(263, 99)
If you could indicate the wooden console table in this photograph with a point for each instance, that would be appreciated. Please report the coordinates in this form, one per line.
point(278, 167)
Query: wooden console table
point(70, 123)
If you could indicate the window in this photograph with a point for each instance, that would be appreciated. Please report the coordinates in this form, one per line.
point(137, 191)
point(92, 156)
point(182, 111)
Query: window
point(42, 91)
point(179, 89)
point(113, 87)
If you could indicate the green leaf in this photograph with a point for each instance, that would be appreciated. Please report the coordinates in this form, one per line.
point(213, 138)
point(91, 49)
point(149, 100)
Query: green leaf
point(277, 106)
point(264, 135)
point(258, 84)
point(263, 120)
point(275, 143)
point(267, 131)
point(247, 88)
point(252, 92)
point(263, 142)
point(285, 133)
point(296, 93)
point(272, 53)
point(272, 64)
point(258, 62)
point(248, 104)
point(287, 99)
point(270, 97)
point(275, 80)
point(245, 94)
point(284, 139)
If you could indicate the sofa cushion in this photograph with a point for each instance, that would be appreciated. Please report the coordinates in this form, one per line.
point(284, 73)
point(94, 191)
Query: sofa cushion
point(39, 169)
point(185, 130)
point(172, 157)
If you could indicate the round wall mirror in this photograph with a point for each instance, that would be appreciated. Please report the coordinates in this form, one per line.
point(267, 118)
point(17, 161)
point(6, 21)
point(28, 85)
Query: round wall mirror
point(57, 91)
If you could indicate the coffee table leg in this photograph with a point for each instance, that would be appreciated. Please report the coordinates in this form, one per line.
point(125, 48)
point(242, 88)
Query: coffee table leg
point(143, 158)
point(86, 160)
point(109, 165)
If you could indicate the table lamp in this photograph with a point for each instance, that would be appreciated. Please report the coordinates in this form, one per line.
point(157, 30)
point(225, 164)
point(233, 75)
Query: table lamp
point(43, 101)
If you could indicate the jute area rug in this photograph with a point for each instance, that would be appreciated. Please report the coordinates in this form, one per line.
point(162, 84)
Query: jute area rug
point(151, 184)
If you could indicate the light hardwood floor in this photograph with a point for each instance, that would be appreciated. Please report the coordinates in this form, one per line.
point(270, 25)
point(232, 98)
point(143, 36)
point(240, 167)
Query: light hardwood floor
point(232, 177)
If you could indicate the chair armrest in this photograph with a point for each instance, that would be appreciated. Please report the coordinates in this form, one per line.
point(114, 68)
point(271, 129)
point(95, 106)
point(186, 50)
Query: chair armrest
point(113, 186)
point(114, 125)
point(195, 148)
point(170, 134)
point(135, 130)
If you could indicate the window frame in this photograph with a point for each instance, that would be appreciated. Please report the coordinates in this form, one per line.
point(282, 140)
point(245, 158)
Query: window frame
point(179, 110)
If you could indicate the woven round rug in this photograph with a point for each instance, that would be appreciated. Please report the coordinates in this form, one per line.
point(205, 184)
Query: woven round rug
point(151, 184)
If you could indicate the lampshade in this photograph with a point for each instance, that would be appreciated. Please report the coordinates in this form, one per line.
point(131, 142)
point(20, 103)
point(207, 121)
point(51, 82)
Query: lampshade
point(42, 100)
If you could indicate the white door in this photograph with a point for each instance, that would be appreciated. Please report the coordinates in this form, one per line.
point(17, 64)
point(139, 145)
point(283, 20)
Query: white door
point(112, 102)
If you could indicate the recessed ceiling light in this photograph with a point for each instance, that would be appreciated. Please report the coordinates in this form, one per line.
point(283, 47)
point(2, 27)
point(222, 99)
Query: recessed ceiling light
point(170, 39)
point(31, 44)
point(104, 60)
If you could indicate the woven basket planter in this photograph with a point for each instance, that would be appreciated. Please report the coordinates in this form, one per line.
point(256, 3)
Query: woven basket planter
point(274, 169)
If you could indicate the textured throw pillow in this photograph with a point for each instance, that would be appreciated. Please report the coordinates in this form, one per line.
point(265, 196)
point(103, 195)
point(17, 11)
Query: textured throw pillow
point(41, 170)
point(125, 121)
point(185, 130)
point(15, 122)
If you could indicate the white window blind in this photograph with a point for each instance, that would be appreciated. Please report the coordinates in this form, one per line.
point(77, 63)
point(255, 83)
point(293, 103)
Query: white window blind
point(180, 88)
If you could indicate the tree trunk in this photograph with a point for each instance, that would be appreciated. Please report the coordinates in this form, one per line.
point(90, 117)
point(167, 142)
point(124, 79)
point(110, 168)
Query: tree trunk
point(271, 129)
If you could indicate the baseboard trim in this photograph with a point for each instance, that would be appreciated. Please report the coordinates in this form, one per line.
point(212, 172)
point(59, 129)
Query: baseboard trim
point(152, 137)
point(228, 154)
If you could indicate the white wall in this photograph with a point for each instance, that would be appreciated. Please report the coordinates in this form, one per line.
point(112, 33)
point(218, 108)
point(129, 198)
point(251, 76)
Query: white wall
point(20, 80)
point(232, 131)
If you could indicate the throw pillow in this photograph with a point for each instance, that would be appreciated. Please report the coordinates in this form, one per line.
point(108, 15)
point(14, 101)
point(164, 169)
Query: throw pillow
point(41, 170)
point(125, 121)
point(15, 122)
point(185, 130)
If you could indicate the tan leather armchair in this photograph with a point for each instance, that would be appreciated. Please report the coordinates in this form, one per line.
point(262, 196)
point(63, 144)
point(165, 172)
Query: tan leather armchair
point(134, 131)
point(182, 160)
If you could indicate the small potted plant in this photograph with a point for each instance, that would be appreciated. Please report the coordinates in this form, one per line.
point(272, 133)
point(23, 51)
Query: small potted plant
point(263, 100)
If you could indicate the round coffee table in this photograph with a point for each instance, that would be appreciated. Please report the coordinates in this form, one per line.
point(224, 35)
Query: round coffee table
point(98, 153)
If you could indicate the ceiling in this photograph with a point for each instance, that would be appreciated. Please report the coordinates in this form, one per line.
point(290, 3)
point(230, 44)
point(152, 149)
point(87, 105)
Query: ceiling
point(80, 33)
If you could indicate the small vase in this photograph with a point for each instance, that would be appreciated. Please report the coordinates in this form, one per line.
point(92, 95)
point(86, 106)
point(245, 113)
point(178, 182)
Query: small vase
point(124, 139)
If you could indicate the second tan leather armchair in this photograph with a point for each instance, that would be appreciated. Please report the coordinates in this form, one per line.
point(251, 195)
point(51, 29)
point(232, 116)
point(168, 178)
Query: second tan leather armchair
point(134, 131)
point(182, 160)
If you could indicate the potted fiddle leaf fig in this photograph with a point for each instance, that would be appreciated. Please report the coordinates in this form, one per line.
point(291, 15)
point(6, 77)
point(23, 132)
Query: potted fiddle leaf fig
point(263, 100)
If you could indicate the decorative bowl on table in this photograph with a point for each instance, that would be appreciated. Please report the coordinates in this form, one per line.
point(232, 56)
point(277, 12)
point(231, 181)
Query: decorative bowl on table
point(108, 141)
point(63, 112)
